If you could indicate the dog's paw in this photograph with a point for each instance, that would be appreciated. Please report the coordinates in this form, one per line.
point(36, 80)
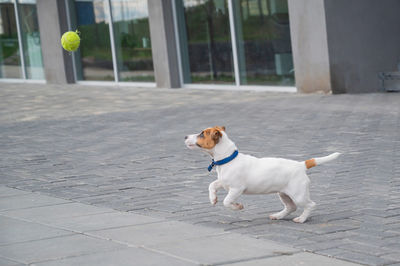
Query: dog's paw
point(299, 220)
point(213, 200)
point(274, 216)
point(238, 206)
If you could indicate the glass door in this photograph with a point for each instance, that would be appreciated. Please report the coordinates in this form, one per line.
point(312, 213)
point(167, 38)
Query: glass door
point(20, 49)
point(205, 41)
point(115, 40)
point(31, 39)
point(238, 42)
point(132, 40)
point(95, 57)
point(263, 42)
point(10, 61)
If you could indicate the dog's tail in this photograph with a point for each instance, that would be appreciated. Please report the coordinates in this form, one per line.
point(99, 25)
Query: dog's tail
point(317, 161)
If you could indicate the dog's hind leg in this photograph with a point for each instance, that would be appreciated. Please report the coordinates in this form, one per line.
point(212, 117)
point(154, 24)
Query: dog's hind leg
point(290, 207)
point(308, 207)
point(298, 191)
point(302, 199)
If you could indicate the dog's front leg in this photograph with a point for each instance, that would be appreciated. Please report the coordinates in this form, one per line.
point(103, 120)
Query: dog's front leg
point(230, 199)
point(213, 188)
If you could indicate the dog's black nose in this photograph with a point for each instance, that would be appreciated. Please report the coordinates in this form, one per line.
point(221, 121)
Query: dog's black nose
point(186, 137)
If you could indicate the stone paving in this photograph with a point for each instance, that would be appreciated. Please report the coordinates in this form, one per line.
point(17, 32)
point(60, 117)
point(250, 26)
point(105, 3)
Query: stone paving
point(41, 230)
point(123, 148)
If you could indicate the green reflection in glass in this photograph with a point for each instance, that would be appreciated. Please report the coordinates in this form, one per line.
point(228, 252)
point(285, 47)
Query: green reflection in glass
point(132, 40)
point(95, 48)
point(31, 39)
point(205, 41)
point(10, 65)
point(263, 41)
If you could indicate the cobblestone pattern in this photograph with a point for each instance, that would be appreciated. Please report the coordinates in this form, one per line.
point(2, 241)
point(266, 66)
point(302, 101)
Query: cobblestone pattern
point(123, 148)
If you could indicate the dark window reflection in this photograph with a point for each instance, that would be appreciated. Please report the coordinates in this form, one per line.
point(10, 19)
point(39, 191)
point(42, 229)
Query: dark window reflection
point(31, 39)
point(263, 40)
point(95, 48)
point(10, 65)
point(132, 40)
point(205, 40)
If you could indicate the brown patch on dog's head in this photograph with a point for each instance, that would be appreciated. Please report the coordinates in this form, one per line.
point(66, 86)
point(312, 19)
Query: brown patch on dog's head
point(209, 137)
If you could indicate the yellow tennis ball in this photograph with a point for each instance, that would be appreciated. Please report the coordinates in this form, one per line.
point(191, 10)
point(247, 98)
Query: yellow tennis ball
point(70, 41)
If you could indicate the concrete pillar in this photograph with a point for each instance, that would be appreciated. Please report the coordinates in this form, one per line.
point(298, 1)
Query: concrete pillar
point(309, 45)
point(163, 44)
point(52, 24)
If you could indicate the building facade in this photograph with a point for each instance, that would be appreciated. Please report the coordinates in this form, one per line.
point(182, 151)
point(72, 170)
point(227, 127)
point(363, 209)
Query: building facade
point(334, 46)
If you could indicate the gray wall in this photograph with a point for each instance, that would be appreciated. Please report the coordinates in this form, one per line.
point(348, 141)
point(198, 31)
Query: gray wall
point(309, 45)
point(363, 40)
point(342, 45)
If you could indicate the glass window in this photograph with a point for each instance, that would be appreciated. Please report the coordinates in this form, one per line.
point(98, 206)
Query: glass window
point(132, 40)
point(31, 39)
point(95, 61)
point(263, 42)
point(205, 41)
point(10, 64)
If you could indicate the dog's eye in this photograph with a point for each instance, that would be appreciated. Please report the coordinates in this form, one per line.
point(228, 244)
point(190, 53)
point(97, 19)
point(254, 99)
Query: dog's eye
point(201, 134)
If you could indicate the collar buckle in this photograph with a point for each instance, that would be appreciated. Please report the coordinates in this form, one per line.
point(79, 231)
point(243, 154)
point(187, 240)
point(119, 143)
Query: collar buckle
point(223, 161)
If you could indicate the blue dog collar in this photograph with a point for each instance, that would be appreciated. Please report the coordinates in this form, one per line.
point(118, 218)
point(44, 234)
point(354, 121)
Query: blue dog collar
point(223, 161)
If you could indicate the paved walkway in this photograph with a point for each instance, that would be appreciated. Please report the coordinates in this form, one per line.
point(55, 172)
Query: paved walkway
point(42, 230)
point(122, 149)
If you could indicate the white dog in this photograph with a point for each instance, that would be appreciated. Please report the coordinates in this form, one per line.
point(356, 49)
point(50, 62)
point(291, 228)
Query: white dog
point(240, 173)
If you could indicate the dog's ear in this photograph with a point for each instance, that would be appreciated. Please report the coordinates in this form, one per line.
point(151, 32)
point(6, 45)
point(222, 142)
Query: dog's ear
point(216, 135)
point(220, 128)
